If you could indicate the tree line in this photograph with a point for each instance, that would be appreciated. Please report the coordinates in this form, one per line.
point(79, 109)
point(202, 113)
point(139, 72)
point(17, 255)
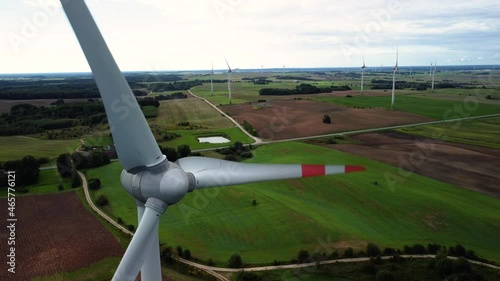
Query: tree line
point(303, 88)
point(27, 171)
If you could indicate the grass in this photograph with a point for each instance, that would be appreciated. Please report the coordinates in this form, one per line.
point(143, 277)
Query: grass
point(149, 111)
point(433, 108)
point(482, 132)
point(16, 147)
point(347, 210)
point(190, 137)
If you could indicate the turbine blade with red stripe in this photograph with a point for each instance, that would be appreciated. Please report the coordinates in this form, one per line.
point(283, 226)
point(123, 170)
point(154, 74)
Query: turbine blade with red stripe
point(209, 172)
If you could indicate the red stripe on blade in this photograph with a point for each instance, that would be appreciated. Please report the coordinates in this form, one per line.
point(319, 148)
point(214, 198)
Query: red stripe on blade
point(313, 170)
point(350, 169)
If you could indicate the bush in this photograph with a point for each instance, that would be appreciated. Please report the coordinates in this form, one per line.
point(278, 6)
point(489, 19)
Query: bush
point(186, 254)
point(231, 157)
point(248, 276)
point(235, 261)
point(94, 183)
point(60, 187)
point(102, 201)
point(372, 250)
point(130, 227)
point(326, 119)
point(444, 267)
point(349, 253)
point(303, 256)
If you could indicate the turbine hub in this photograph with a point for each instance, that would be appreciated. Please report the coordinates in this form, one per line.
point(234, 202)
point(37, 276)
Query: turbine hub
point(170, 186)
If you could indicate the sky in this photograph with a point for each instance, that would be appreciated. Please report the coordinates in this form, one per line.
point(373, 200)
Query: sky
point(155, 35)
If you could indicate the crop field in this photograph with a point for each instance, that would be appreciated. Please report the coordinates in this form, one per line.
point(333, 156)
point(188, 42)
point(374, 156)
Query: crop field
point(345, 210)
point(193, 110)
point(49, 236)
point(483, 132)
point(436, 109)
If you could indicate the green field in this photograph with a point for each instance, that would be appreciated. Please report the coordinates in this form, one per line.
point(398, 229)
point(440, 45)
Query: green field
point(433, 108)
point(149, 111)
point(344, 210)
point(17, 147)
point(482, 132)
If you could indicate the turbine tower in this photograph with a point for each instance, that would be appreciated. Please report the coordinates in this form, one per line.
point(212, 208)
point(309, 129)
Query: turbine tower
point(153, 181)
point(433, 73)
point(362, 75)
point(229, 71)
point(394, 80)
point(212, 80)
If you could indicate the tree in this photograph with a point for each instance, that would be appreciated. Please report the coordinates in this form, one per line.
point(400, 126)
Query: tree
point(303, 256)
point(349, 253)
point(102, 201)
point(179, 251)
point(63, 164)
point(76, 181)
point(444, 267)
point(372, 250)
point(60, 187)
point(327, 119)
point(183, 150)
point(186, 254)
point(167, 255)
point(170, 152)
point(235, 261)
point(94, 183)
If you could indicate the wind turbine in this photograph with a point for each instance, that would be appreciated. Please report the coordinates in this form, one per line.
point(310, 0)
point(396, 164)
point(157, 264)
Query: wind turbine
point(433, 73)
point(148, 176)
point(212, 80)
point(362, 75)
point(229, 79)
point(394, 80)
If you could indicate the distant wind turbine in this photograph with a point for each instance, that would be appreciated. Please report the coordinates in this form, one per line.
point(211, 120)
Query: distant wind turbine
point(430, 71)
point(283, 70)
point(229, 79)
point(433, 73)
point(394, 80)
point(362, 75)
point(212, 80)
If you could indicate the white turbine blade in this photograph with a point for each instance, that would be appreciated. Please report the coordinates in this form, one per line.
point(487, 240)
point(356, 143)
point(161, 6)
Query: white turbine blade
point(134, 141)
point(210, 172)
point(229, 68)
point(151, 269)
point(140, 246)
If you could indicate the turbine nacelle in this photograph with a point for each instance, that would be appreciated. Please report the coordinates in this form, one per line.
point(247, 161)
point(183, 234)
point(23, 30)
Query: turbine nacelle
point(170, 185)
